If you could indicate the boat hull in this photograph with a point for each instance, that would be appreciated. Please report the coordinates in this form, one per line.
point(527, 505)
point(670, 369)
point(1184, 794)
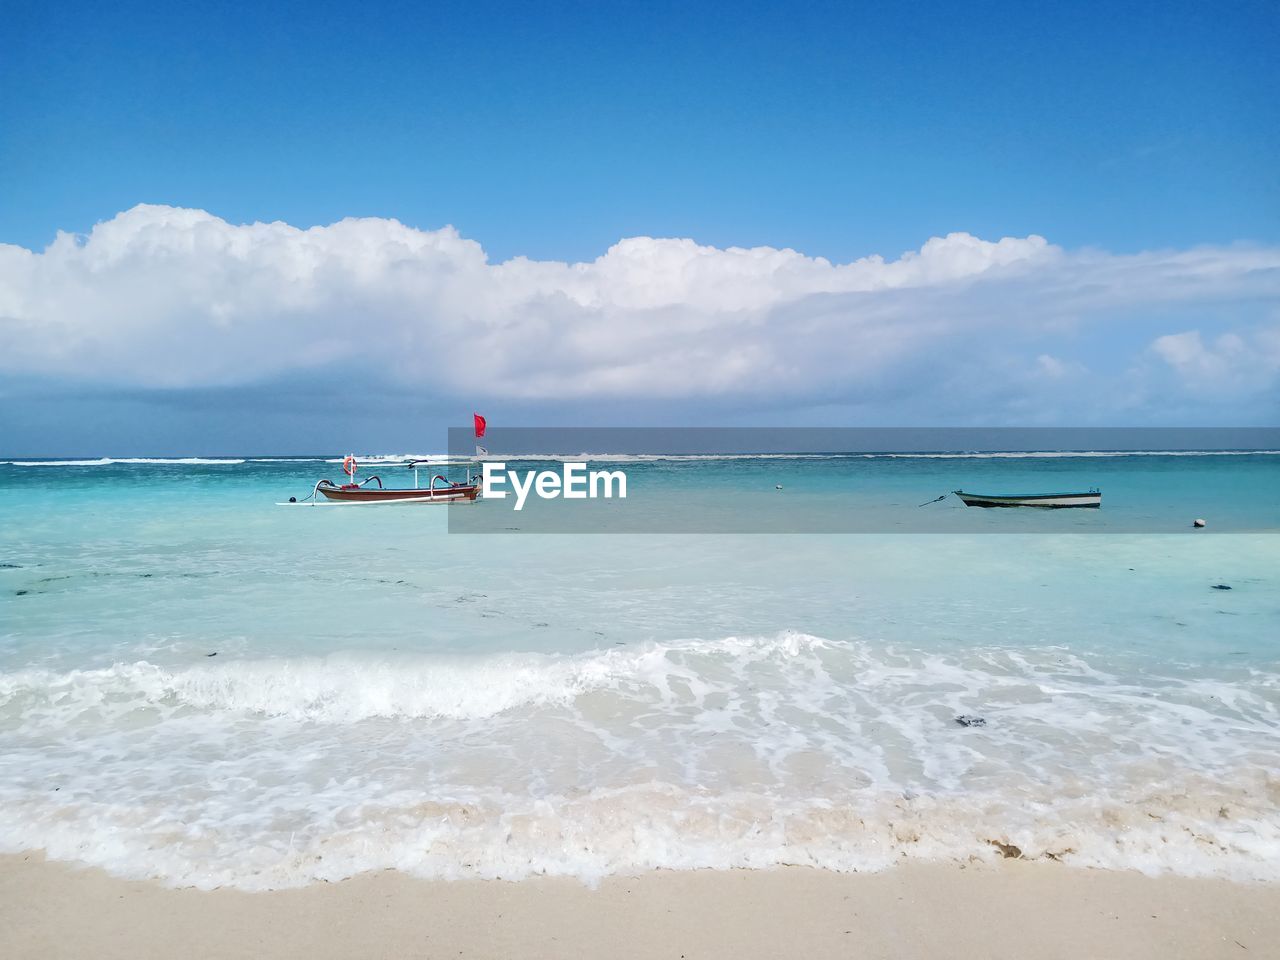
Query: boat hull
point(423, 495)
point(1047, 501)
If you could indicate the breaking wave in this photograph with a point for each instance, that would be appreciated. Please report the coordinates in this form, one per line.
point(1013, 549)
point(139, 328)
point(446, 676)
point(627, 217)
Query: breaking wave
point(382, 459)
point(734, 752)
point(110, 461)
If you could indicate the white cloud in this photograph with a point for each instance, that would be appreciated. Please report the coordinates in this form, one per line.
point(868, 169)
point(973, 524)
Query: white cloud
point(167, 297)
point(1231, 363)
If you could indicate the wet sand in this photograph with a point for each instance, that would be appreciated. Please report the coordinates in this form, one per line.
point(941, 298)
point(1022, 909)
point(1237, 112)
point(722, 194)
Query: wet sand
point(1013, 909)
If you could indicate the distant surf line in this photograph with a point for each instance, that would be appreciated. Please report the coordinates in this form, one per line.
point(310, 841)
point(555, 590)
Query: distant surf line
point(657, 457)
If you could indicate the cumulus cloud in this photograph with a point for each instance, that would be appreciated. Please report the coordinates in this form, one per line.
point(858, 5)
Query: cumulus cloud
point(162, 297)
point(1231, 363)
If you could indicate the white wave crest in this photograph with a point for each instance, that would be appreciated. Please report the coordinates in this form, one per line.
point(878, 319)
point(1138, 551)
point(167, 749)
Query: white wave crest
point(745, 751)
point(395, 459)
point(345, 688)
point(109, 461)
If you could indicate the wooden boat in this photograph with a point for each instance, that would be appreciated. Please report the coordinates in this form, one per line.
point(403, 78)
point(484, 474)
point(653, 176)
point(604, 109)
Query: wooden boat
point(439, 490)
point(1053, 501)
point(359, 493)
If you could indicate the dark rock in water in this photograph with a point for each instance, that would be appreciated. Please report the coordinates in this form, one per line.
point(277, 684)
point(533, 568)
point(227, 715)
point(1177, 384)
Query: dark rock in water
point(969, 720)
point(1221, 586)
point(1007, 850)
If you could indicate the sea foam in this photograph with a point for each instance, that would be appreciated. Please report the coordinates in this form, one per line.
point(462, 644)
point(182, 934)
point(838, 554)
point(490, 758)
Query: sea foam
point(734, 752)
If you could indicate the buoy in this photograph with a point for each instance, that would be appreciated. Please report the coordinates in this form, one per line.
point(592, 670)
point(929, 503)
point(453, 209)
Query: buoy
point(1197, 522)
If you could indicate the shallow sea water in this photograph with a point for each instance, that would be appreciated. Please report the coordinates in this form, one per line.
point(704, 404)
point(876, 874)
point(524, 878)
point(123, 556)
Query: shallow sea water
point(386, 693)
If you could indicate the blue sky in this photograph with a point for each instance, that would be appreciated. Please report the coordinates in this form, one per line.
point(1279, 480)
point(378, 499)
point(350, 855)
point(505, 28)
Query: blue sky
point(552, 132)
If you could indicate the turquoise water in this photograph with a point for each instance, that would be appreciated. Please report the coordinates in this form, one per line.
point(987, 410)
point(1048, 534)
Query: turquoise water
point(386, 693)
point(870, 493)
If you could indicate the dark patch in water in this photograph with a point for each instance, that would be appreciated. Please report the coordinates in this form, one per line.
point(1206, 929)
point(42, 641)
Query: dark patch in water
point(969, 720)
point(10, 566)
point(96, 574)
point(1221, 586)
point(1007, 850)
point(21, 593)
point(214, 654)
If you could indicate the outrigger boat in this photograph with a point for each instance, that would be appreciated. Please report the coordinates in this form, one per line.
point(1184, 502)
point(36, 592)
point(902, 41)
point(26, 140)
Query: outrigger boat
point(1049, 500)
point(440, 489)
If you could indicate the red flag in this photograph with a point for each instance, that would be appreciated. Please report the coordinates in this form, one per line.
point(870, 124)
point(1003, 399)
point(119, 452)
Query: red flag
point(480, 425)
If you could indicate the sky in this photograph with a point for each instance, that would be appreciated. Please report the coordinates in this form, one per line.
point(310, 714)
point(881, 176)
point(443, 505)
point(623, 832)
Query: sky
point(288, 227)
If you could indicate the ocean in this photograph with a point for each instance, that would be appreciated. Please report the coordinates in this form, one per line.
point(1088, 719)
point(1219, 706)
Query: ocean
point(201, 686)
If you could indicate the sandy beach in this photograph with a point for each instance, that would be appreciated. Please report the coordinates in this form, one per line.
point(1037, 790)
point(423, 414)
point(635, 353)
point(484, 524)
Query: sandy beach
point(1013, 909)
